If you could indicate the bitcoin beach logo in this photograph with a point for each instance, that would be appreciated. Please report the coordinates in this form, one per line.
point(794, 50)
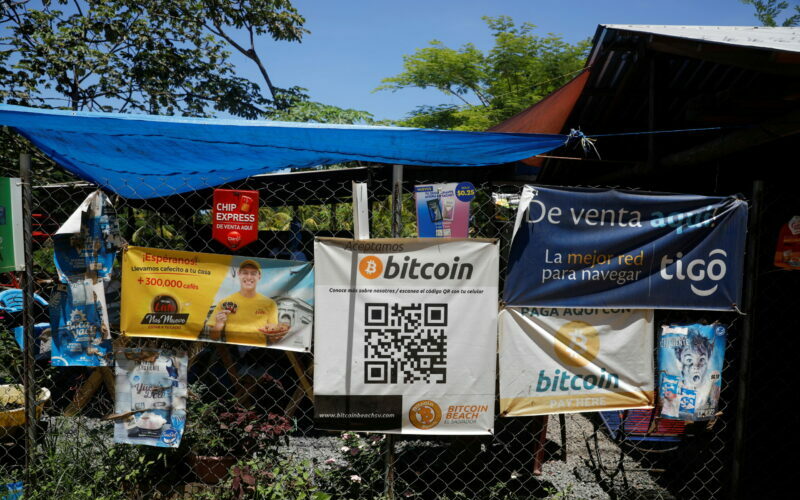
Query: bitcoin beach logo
point(370, 267)
point(425, 414)
point(577, 343)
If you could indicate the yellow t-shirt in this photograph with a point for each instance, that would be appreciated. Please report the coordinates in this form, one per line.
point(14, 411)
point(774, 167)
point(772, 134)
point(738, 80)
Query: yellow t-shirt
point(251, 314)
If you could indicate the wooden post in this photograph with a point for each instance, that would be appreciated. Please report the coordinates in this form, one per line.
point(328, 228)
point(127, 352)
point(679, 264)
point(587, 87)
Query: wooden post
point(539, 438)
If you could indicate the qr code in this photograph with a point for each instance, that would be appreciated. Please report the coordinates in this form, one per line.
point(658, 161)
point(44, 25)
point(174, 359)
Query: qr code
point(406, 343)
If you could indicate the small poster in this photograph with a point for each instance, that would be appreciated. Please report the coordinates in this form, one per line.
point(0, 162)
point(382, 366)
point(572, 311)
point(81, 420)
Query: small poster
point(690, 361)
point(217, 298)
point(410, 335)
point(443, 209)
point(11, 255)
point(235, 219)
point(787, 252)
point(555, 360)
point(150, 407)
point(79, 325)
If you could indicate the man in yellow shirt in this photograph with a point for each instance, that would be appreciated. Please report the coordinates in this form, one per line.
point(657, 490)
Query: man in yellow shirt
point(247, 317)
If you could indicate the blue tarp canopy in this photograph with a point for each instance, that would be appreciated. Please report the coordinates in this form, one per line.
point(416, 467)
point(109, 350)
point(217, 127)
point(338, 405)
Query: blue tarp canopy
point(144, 156)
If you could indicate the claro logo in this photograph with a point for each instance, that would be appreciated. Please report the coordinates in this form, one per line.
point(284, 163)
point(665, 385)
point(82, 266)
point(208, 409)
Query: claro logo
point(371, 267)
point(696, 270)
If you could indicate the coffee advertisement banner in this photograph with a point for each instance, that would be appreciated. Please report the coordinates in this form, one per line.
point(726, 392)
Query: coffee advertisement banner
point(409, 335)
point(217, 298)
point(575, 360)
point(577, 247)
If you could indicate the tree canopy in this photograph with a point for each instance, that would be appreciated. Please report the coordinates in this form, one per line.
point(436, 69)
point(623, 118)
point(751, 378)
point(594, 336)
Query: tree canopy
point(768, 11)
point(147, 56)
point(518, 71)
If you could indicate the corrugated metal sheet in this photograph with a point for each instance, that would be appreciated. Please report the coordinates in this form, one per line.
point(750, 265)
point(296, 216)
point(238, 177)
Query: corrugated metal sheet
point(784, 39)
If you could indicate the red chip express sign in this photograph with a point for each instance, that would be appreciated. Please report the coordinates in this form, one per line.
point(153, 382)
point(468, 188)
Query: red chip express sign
point(235, 217)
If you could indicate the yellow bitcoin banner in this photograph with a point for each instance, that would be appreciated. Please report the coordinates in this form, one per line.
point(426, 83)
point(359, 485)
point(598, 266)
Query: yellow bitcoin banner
point(217, 298)
point(575, 360)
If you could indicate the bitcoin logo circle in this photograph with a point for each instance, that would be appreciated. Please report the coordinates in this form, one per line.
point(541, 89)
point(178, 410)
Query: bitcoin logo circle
point(370, 267)
point(425, 414)
point(577, 343)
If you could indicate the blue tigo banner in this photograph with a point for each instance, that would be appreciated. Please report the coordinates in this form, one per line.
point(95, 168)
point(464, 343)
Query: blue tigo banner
point(577, 247)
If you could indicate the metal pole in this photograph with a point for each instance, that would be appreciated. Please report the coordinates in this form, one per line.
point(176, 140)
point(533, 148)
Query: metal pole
point(388, 490)
point(397, 201)
point(29, 382)
point(748, 328)
point(397, 231)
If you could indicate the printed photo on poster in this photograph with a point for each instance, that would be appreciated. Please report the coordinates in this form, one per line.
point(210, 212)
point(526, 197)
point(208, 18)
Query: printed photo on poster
point(575, 360)
point(217, 298)
point(443, 209)
point(406, 335)
point(79, 325)
point(690, 361)
point(150, 407)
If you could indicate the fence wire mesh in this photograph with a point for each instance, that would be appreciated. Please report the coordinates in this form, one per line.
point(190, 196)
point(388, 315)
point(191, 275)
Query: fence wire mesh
point(250, 430)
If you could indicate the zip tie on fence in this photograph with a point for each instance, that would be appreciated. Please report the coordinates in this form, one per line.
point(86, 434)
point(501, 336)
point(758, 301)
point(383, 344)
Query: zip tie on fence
point(736, 308)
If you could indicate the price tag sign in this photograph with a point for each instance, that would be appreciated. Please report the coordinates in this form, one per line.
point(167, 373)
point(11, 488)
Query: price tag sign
point(235, 217)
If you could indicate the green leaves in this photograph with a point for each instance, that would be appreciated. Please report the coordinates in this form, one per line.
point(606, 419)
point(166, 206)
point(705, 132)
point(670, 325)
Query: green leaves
point(147, 56)
point(767, 12)
point(519, 70)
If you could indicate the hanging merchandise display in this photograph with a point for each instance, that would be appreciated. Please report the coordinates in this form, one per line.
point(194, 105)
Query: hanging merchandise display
point(88, 242)
point(150, 407)
point(575, 360)
point(575, 247)
point(235, 217)
point(787, 251)
point(443, 209)
point(11, 255)
point(409, 335)
point(690, 362)
point(79, 324)
point(217, 298)
point(85, 248)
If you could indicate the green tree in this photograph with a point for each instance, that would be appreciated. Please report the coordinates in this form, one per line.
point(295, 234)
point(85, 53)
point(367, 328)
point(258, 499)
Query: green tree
point(141, 55)
point(151, 56)
point(519, 70)
point(767, 11)
point(312, 111)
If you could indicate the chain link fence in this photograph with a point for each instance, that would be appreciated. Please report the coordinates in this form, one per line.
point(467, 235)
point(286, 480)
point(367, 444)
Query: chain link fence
point(250, 429)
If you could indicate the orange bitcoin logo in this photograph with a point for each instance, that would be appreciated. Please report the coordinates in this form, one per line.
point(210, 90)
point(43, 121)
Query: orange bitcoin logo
point(577, 343)
point(370, 267)
point(425, 414)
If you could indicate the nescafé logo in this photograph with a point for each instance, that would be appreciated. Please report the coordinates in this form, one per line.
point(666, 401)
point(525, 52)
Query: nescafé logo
point(425, 414)
point(164, 312)
point(164, 304)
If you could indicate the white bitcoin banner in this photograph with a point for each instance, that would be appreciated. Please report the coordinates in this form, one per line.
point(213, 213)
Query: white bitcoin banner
point(406, 335)
point(575, 360)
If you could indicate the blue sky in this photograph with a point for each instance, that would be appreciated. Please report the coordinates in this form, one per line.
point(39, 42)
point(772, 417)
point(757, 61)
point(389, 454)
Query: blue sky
point(355, 43)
